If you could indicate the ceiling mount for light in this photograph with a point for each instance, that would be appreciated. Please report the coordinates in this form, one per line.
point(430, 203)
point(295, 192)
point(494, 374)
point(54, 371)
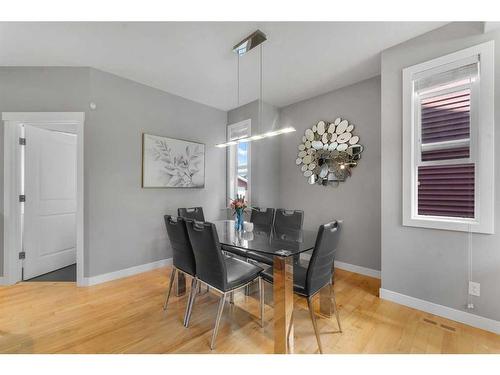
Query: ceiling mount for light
point(250, 42)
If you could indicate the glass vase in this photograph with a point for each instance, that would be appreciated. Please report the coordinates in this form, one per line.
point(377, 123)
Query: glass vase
point(238, 221)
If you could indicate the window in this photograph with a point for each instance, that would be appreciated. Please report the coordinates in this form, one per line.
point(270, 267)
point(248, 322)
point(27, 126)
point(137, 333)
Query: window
point(239, 160)
point(448, 149)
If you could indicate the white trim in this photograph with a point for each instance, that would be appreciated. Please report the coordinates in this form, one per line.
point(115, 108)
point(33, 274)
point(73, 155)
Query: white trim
point(443, 311)
point(70, 121)
point(93, 280)
point(358, 269)
point(2, 281)
point(50, 117)
point(12, 221)
point(482, 148)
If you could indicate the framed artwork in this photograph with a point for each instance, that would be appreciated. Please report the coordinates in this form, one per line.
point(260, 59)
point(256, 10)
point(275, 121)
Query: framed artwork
point(172, 163)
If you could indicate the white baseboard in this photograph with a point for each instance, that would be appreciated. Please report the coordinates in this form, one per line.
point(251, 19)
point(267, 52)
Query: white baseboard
point(443, 311)
point(93, 280)
point(357, 269)
point(2, 281)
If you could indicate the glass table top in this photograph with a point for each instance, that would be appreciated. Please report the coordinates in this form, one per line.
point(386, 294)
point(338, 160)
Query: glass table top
point(266, 239)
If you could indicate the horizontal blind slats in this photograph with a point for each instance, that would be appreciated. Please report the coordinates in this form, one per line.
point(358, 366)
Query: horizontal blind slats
point(446, 190)
point(446, 118)
point(455, 121)
point(439, 128)
point(456, 95)
point(456, 116)
point(453, 107)
point(450, 113)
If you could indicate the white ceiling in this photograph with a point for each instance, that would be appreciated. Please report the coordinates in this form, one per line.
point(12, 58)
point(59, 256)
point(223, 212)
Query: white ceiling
point(194, 60)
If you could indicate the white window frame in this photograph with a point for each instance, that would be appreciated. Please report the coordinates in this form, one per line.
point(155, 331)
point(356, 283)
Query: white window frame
point(231, 157)
point(481, 143)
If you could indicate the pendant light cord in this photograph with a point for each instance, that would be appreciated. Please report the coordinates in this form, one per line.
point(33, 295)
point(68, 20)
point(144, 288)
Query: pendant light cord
point(238, 80)
point(260, 94)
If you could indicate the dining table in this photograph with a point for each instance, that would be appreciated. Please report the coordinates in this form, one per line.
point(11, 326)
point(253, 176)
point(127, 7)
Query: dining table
point(285, 247)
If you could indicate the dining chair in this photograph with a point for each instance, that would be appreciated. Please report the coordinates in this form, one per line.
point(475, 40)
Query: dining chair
point(221, 273)
point(262, 216)
point(183, 257)
point(308, 281)
point(287, 223)
point(195, 213)
point(288, 219)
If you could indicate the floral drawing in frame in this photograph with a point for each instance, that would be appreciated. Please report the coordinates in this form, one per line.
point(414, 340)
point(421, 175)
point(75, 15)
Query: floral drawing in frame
point(172, 163)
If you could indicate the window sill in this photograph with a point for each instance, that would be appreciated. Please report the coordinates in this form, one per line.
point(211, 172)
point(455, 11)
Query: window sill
point(449, 224)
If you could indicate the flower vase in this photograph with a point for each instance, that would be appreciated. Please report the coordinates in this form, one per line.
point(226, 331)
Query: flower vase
point(238, 222)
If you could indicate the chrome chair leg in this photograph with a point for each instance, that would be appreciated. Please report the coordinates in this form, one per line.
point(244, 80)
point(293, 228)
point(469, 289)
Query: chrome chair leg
point(247, 288)
point(192, 296)
point(172, 278)
point(200, 289)
point(315, 325)
point(217, 320)
point(261, 297)
point(289, 328)
point(334, 303)
point(231, 297)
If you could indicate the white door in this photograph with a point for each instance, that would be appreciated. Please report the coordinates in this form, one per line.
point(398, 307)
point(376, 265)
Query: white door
point(49, 235)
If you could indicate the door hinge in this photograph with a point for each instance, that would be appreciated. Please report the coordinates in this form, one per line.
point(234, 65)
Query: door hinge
point(22, 141)
point(22, 198)
point(22, 255)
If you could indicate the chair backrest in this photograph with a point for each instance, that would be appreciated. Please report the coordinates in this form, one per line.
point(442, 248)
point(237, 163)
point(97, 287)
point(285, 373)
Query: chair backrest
point(210, 264)
point(262, 216)
point(319, 272)
point(288, 219)
point(183, 257)
point(195, 213)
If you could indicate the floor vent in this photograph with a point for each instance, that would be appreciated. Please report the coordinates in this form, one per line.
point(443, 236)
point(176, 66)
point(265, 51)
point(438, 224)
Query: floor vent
point(448, 328)
point(430, 321)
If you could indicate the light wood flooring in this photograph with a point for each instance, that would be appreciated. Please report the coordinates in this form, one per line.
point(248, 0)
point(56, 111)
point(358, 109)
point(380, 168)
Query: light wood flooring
point(126, 316)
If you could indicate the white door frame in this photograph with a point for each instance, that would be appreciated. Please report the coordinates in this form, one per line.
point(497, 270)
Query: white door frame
point(71, 122)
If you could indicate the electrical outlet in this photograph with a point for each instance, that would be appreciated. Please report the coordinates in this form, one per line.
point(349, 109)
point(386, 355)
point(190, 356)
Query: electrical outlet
point(474, 289)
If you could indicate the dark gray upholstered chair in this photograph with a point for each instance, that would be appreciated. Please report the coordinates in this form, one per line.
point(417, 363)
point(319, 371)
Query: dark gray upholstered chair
point(307, 281)
point(262, 216)
point(288, 219)
point(183, 257)
point(223, 274)
point(284, 221)
point(195, 213)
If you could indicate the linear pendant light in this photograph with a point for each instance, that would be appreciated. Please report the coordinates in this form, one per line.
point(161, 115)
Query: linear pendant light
point(250, 42)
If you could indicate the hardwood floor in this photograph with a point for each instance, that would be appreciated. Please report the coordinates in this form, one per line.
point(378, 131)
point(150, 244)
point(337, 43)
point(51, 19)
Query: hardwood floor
point(126, 316)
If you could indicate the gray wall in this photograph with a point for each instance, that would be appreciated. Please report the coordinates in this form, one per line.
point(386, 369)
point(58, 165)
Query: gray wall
point(123, 223)
point(357, 200)
point(426, 263)
point(265, 153)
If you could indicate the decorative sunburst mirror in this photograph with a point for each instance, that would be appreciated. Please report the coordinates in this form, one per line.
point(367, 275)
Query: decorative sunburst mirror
point(328, 152)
